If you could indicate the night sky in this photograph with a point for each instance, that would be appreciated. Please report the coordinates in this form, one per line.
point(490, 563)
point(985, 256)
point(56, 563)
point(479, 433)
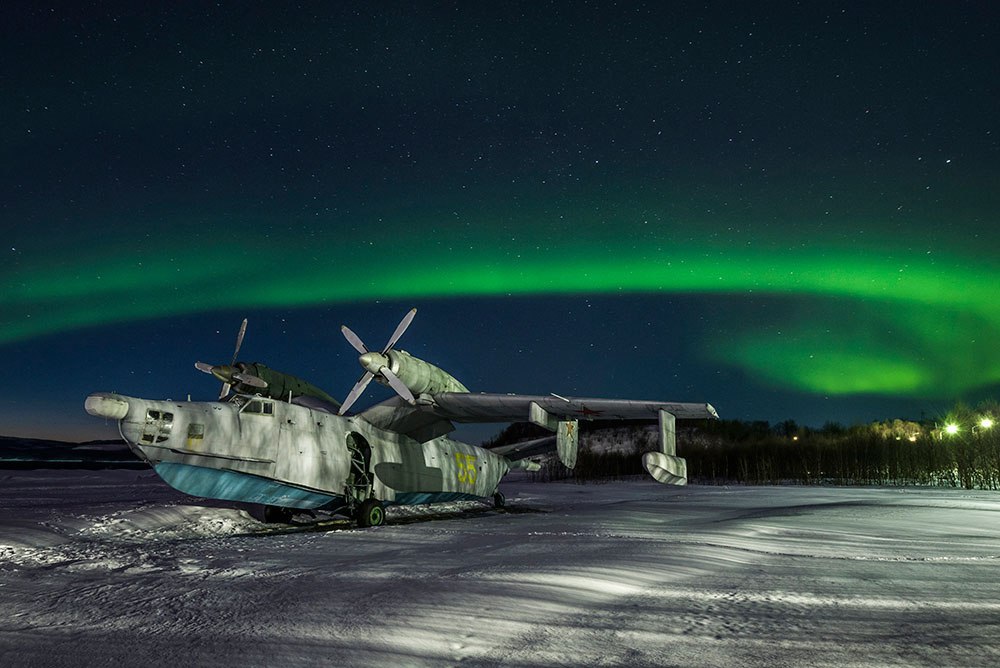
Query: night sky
point(789, 210)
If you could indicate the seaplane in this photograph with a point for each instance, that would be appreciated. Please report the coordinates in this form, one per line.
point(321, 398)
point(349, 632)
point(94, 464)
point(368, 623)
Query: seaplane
point(279, 441)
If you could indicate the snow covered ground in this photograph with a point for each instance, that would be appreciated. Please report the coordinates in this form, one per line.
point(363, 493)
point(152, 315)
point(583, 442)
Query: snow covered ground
point(114, 568)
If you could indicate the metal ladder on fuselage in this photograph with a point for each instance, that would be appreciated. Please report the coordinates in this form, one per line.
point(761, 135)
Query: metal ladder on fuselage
point(359, 480)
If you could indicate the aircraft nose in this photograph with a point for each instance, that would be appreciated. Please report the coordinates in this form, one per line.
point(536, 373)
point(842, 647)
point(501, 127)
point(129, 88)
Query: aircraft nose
point(103, 404)
point(372, 362)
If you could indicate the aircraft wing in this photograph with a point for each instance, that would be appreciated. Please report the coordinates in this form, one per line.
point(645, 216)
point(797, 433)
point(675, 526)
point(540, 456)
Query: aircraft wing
point(481, 407)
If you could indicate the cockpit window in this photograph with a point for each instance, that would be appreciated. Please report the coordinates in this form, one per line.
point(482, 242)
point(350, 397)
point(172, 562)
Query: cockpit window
point(158, 426)
point(258, 407)
point(154, 416)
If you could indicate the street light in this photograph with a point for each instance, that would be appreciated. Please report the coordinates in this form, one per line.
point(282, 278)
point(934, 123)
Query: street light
point(951, 429)
point(986, 422)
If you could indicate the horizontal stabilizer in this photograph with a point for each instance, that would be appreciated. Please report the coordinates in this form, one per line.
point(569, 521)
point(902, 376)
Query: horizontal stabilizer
point(525, 465)
point(525, 449)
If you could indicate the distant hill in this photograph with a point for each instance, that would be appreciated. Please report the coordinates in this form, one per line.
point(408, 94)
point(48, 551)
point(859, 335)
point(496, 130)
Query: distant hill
point(35, 453)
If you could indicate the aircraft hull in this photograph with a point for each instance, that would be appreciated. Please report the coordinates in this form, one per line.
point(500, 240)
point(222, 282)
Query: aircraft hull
point(214, 483)
point(234, 486)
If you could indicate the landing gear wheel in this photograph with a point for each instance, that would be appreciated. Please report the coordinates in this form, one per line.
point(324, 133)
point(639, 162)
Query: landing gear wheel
point(371, 514)
point(499, 500)
point(277, 515)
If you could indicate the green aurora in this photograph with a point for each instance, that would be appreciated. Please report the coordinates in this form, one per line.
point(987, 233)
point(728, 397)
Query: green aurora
point(843, 316)
point(789, 210)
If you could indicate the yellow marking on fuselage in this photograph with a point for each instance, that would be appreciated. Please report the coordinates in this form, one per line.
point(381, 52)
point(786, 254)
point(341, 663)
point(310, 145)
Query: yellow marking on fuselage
point(466, 468)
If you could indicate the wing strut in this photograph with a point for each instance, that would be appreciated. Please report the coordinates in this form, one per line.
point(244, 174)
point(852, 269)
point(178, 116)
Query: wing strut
point(665, 466)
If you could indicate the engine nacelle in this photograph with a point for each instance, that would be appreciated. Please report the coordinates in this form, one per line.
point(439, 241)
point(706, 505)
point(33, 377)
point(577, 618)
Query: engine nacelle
point(420, 376)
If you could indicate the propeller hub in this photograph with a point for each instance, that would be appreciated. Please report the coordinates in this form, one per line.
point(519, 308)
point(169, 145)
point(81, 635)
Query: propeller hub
point(377, 364)
point(373, 362)
point(224, 372)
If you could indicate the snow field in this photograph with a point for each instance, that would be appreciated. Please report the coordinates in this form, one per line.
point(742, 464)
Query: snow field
point(114, 567)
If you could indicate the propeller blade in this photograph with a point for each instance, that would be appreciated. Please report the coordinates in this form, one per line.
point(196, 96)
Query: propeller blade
point(239, 341)
point(248, 379)
point(228, 373)
point(400, 328)
point(353, 339)
point(359, 387)
point(396, 384)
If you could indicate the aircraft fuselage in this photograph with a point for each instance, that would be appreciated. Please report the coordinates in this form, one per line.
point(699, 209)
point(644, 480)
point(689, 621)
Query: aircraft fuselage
point(261, 450)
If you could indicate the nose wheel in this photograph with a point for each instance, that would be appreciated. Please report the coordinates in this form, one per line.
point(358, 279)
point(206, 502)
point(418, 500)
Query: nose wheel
point(499, 500)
